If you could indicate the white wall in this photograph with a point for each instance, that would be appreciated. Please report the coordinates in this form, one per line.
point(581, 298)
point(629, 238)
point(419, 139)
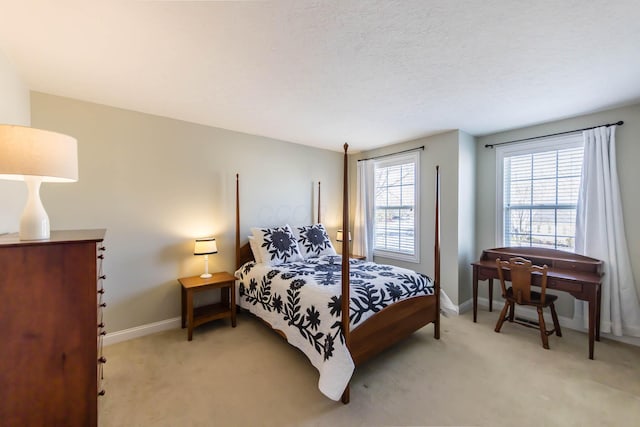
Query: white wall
point(156, 184)
point(15, 110)
point(628, 153)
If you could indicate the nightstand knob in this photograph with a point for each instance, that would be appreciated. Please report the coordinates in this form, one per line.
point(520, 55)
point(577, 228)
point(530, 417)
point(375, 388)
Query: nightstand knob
point(102, 359)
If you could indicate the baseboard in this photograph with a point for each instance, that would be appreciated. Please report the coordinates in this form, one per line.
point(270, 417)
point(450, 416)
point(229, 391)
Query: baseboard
point(141, 331)
point(531, 314)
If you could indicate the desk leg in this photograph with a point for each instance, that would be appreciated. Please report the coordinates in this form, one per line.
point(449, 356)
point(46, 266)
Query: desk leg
point(593, 311)
point(475, 294)
point(598, 312)
point(490, 294)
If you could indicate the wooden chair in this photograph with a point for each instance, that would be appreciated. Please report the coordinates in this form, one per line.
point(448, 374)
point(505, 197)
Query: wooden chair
point(520, 293)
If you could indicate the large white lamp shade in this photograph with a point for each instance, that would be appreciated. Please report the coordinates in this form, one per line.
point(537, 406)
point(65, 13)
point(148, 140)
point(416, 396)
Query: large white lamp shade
point(36, 156)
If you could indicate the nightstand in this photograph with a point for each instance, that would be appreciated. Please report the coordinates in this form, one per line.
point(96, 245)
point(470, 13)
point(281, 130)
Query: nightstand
point(360, 257)
point(192, 317)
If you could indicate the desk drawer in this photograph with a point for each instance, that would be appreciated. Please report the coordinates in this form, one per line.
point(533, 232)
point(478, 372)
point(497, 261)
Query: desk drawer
point(565, 285)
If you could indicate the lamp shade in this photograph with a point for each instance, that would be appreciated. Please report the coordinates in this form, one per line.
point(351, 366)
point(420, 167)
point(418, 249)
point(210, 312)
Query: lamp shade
point(205, 246)
point(27, 151)
point(339, 236)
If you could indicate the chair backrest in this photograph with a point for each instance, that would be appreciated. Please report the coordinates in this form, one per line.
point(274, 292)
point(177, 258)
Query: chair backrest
point(520, 270)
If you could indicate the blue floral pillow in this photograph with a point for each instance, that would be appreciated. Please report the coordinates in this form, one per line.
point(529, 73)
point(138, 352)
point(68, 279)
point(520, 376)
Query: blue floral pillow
point(314, 241)
point(277, 245)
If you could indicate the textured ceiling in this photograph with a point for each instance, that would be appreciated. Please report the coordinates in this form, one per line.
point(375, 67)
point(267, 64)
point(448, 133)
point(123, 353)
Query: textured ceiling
point(320, 73)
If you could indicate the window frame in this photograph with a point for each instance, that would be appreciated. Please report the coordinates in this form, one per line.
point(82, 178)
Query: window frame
point(554, 143)
point(388, 161)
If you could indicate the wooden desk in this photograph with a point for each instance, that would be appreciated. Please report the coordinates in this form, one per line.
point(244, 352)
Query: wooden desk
point(578, 275)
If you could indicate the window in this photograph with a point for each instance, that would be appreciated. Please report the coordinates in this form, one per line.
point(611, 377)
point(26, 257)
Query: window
point(396, 204)
point(538, 185)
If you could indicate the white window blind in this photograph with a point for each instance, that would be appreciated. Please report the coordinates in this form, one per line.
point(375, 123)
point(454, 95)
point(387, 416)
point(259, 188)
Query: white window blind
point(538, 192)
point(396, 207)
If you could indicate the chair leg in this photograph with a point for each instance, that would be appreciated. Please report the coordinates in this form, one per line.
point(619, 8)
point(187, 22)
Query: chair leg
point(543, 329)
point(512, 312)
point(556, 324)
point(503, 315)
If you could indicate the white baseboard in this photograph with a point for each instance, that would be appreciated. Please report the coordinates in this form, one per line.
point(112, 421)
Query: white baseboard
point(141, 331)
point(531, 314)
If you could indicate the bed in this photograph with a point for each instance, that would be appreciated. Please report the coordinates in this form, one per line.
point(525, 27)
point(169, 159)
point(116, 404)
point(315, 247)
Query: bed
point(300, 295)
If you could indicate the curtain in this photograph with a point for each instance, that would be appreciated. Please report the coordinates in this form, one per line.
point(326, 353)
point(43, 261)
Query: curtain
point(363, 218)
point(600, 234)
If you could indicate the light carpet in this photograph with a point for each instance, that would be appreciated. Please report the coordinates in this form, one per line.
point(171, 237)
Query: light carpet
point(249, 376)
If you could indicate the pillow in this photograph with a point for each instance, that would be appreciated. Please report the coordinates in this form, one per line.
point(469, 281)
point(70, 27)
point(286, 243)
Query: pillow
point(255, 248)
point(314, 241)
point(277, 245)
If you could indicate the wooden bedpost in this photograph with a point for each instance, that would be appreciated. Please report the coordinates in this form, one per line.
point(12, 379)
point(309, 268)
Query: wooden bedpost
point(436, 265)
point(318, 202)
point(345, 262)
point(237, 221)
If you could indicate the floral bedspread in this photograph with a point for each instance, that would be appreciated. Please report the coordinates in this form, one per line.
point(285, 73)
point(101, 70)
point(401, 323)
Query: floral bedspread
point(303, 300)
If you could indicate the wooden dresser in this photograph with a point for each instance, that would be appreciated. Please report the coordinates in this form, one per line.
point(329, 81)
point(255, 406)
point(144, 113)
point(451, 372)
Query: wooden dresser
point(51, 329)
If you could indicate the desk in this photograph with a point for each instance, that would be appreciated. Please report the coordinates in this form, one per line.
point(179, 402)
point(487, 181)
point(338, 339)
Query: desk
point(578, 275)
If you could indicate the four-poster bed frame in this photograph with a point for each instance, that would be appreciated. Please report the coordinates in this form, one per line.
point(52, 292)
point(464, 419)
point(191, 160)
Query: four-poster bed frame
point(391, 324)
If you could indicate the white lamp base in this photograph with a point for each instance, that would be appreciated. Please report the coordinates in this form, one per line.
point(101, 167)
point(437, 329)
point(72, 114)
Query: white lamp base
point(206, 274)
point(34, 223)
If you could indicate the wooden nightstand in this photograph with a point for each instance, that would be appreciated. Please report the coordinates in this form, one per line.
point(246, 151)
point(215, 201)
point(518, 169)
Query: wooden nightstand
point(225, 308)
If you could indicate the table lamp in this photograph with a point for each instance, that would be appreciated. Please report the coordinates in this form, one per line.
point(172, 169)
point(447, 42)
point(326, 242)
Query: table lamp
point(339, 236)
point(206, 247)
point(35, 156)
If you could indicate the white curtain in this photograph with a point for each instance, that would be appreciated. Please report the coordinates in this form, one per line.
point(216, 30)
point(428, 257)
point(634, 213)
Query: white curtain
point(363, 218)
point(600, 234)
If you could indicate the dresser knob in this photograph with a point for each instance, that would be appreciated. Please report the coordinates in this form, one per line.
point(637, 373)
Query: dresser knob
point(101, 393)
point(102, 359)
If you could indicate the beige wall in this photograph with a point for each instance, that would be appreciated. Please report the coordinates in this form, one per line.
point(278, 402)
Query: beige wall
point(628, 156)
point(14, 109)
point(156, 184)
point(454, 153)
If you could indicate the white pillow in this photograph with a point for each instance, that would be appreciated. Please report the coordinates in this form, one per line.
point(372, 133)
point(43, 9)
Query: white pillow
point(255, 249)
point(277, 245)
point(313, 241)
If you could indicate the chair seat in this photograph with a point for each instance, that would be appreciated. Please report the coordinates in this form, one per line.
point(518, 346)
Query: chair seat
point(535, 298)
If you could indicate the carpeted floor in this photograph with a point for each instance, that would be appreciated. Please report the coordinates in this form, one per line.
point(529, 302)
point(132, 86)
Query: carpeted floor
point(248, 376)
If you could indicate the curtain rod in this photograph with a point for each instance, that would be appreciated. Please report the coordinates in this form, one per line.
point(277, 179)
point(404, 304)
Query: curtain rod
point(620, 123)
point(393, 154)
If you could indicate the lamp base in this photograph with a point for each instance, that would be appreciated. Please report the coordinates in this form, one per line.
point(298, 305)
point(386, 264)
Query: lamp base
point(206, 275)
point(34, 223)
